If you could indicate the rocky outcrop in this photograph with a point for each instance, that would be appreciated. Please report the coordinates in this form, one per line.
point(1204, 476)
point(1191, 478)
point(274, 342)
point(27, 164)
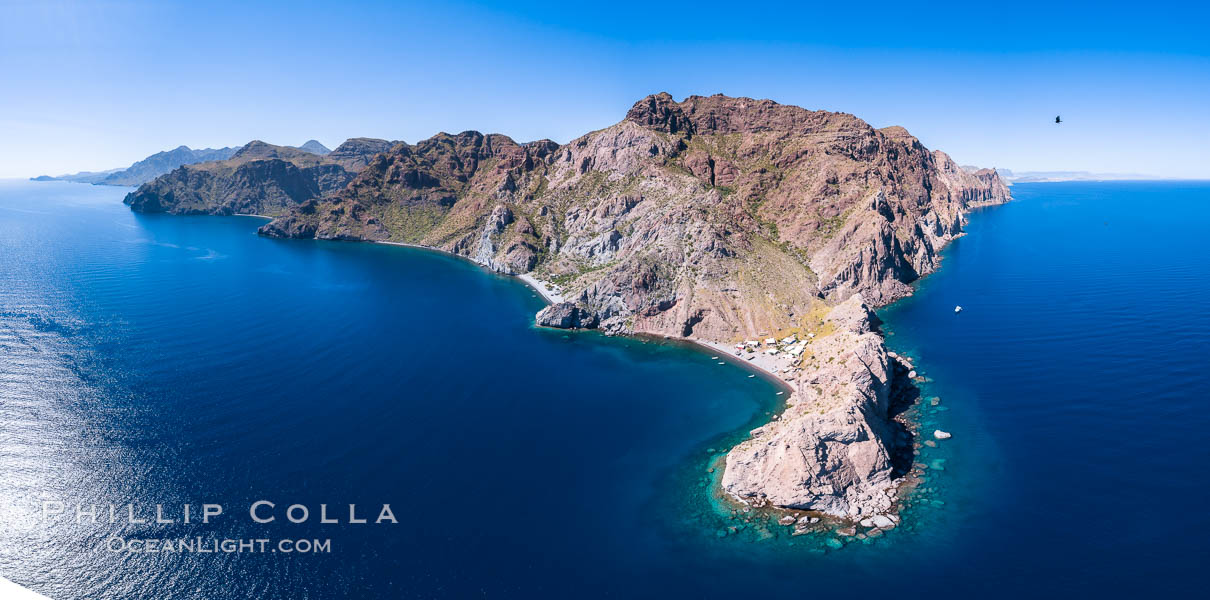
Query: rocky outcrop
point(566, 315)
point(832, 449)
point(355, 153)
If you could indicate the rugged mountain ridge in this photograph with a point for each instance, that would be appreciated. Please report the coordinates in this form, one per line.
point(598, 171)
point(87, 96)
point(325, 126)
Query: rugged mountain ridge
point(713, 218)
point(717, 217)
point(259, 178)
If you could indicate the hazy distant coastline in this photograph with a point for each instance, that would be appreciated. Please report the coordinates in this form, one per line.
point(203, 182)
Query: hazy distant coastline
point(161, 163)
point(1049, 176)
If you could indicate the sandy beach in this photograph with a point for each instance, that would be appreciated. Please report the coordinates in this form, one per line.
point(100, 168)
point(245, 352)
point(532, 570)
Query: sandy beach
point(762, 363)
point(543, 288)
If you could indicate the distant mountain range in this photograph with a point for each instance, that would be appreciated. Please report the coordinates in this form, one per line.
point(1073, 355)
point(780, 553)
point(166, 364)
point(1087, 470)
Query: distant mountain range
point(1043, 176)
point(314, 147)
point(259, 178)
point(162, 163)
point(81, 177)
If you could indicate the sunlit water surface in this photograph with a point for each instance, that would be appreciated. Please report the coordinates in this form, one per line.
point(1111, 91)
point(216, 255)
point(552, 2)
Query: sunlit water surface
point(184, 360)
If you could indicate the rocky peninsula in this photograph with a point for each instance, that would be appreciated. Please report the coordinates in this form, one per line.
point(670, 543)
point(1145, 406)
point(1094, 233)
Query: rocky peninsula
point(714, 219)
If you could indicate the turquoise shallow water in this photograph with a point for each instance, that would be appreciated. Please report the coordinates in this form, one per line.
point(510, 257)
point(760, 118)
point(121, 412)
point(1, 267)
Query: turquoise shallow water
point(185, 360)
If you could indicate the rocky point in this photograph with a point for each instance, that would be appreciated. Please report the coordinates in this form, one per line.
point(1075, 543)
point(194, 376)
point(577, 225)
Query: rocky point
point(714, 218)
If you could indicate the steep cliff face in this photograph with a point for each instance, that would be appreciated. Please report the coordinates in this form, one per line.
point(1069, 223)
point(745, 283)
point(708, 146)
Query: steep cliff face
point(259, 178)
point(355, 153)
point(715, 217)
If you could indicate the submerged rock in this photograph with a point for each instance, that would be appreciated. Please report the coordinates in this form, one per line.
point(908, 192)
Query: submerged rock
point(883, 522)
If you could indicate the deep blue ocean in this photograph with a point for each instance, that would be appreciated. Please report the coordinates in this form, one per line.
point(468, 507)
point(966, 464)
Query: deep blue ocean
point(184, 360)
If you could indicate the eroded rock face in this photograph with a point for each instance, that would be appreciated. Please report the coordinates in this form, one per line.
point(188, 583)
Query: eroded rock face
point(712, 217)
point(831, 450)
point(566, 315)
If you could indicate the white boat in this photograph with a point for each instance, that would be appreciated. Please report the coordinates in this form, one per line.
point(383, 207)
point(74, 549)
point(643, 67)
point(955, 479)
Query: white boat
point(957, 309)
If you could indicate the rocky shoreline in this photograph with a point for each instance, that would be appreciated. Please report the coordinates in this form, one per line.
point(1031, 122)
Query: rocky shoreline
point(838, 404)
point(714, 220)
point(841, 402)
point(832, 450)
point(844, 408)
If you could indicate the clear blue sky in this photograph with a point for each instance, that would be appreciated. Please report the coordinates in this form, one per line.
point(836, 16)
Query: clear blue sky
point(101, 84)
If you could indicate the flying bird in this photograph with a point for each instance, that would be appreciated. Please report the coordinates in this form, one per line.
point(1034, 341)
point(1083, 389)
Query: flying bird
point(1058, 120)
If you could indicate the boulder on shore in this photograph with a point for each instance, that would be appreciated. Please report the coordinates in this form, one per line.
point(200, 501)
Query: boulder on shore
point(566, 315)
